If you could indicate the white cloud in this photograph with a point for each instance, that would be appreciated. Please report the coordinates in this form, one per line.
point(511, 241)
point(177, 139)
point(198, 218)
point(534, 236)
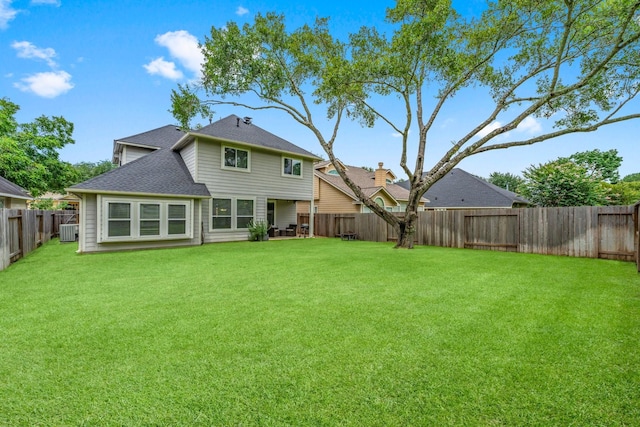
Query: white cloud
point(241, 11)
point(489, 128)
point(29, 51)
point(529, 125)
point(184, 48)
point(51, 2)
point(398, 135)
point(163, 68)
point(47, 85)
point(7, 14)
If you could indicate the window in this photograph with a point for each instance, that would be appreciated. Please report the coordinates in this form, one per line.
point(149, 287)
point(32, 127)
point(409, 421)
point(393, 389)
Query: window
point(125, 220)
point(231, 213)
point(235, 158)
point(119, 220)
point(291, 167)
point(1, 202)
point(244, 213)
point(177, 217)
point(221, 214)
point(333, 172)
point(149, 219)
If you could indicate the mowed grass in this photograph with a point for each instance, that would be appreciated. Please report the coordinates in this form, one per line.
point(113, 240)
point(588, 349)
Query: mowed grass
point(318, 332)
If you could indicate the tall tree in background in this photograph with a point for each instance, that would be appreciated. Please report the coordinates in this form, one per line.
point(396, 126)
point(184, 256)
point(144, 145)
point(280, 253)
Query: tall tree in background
point(507, 180)
point(562, 182)
point(88, 170)
point(575, 63)
point(632, 177)
point(29, 152)
point(601, 164)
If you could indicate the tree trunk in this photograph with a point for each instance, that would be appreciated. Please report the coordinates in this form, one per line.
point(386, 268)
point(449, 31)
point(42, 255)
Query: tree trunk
point(406, 231)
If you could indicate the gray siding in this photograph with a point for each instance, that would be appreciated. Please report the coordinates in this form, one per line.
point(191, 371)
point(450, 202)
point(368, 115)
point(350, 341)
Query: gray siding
point(264, 182)
point(130, 153)
point(88, 238)
point(188, 154)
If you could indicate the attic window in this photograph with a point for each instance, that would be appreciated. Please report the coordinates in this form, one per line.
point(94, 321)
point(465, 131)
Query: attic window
point(333, 172)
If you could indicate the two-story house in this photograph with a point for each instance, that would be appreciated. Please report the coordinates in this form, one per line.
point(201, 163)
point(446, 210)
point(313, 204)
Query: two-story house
point(176, 188)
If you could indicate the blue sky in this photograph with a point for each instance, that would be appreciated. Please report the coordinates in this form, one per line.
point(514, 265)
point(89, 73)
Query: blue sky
point(109, 67)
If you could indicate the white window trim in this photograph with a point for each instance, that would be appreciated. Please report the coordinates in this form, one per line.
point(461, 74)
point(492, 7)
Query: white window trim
point(234, 168)
point(234, 213)
point(103, 219)
point(286, 175)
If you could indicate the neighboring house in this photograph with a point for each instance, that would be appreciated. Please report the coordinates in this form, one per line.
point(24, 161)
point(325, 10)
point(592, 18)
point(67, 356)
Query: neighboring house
point(177, 188)
point(68, 201)
point(332, 195)
point(12, 196)
point(461, 190)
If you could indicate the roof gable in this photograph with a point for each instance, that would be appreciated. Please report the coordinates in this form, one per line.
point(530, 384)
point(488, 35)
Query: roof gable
point(364, 179)
point(234, 129)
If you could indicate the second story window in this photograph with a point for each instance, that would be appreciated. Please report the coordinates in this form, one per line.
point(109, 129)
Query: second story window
point(291, 167)
point(235, 158)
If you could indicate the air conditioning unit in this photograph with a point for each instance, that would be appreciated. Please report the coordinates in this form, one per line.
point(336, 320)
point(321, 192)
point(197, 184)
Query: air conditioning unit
point(68, 232)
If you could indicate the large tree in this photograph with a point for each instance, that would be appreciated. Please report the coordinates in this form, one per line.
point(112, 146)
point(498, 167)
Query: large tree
point(563, 182)
point(575, 63)
point(29, 152)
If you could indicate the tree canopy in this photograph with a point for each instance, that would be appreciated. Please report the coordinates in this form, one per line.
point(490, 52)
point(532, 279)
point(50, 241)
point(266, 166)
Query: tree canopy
point(573, 63)
point(507, 180)
point(88, 170)
point(584, 178)
point(563, 182)
point(632, 177)
point(29, 152)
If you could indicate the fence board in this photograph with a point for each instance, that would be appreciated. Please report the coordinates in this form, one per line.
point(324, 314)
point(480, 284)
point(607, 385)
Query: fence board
point(23, 231)
point(605, 231)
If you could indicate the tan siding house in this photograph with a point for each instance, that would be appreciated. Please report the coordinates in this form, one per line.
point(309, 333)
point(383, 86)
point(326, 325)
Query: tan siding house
point(332, 195)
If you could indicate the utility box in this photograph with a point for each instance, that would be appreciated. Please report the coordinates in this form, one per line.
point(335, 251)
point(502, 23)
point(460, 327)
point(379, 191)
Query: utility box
point(68, 232)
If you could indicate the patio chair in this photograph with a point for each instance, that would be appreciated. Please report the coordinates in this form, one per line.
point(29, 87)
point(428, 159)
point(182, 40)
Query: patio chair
point(291, 230)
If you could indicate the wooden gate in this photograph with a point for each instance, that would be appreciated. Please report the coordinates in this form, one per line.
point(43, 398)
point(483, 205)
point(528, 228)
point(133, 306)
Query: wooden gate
point(614, 239)
point(492, 232)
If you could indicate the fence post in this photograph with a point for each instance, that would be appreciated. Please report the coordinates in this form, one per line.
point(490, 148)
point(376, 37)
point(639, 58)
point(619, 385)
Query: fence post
point(4, 239)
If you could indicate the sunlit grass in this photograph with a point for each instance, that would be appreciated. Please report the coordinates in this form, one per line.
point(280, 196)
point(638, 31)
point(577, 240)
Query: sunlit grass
point(318, 332)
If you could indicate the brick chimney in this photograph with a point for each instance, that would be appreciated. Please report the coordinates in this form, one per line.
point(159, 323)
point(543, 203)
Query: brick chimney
point(380, 176)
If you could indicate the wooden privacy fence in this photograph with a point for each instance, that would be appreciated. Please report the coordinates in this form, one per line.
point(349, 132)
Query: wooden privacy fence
point(593, 232)
point(22, 231)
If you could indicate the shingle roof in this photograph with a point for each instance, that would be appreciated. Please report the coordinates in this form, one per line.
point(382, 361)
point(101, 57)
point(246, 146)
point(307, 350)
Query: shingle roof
point(159, 173)
point(162, 137)
point(233, 128)
point(460, 189)
point(163, 172)
point(364, 179)
point(9, 189)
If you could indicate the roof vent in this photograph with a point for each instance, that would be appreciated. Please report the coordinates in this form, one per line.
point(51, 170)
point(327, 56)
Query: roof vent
point(237, 121)
point(247, 120)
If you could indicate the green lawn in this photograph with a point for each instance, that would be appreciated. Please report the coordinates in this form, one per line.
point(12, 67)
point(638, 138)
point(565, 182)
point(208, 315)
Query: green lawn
point(318, 332)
